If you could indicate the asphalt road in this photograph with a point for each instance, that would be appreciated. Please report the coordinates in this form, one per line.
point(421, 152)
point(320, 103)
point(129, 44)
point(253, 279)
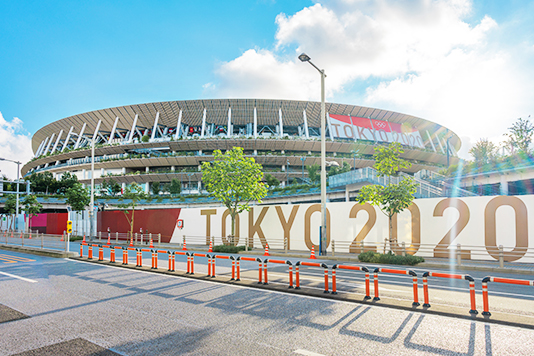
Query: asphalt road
point(139, 313)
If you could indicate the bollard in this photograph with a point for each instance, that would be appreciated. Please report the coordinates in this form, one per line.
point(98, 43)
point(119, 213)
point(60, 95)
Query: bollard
point(290, 274)
point(403, 248)
point(311, 264)
point(334, 291)
point(124, 256)
point(375, 282)
point(171, 258)
point(458, 254)
point(501, 256)
point(212, 266)
point(90, 251)
point(398, 271)
point(233, 268)
point(112, 255)
point(238, 269)
point(265, 281)
point(451, 276)
point(81, 250)
point(192, 264)
point(138, 259)
point(259, 276)
point(100, 236)
point(159, 239)
point(521, 282)
point(117, 237)
point(188, 263)
point(100, 253)
point(333, 248)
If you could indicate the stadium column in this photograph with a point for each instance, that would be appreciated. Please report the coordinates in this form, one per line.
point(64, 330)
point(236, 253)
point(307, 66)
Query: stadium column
point(49, 143)
point(178, 126)
point(255, 123)
point(155, 127)
point(229, 127)
point(80, 135)
point(57, 141)
point(67, 139)
point(113, 130)
point(132, 131)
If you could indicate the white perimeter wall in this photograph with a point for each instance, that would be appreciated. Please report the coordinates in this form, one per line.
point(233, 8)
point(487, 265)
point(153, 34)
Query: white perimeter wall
point(480, 222)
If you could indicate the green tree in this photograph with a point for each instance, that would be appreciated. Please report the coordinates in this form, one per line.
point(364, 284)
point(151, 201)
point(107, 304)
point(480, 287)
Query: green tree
point(156, 188)
point(314, 173)
point(78, 198)
point(175, 187)
point(132, 195)
point(67, 181)
point(520, 136)
point(271, 181)
point(110, 187)
point(10, 208)
point(31, 207)
point(483, 152)
point(334, 170)
point(234, 180)
point(42, 182)
point(391, 198)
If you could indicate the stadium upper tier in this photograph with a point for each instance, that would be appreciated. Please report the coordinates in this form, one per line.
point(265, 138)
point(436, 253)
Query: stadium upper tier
point(154, 141)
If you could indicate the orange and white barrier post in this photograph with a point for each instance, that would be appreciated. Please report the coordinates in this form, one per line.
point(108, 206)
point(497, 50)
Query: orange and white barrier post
point(112, 254)
point(233, 268)
point(238, 269)
point(90, 251)
point(81, 250)
point(451, 276)
point(100, 253)
point(312, 264)
point(352, 268)
point(171, 261)
point(265, 281)
point(485, 280)
point(398, 271)
point(290, 274)
point(124, 255)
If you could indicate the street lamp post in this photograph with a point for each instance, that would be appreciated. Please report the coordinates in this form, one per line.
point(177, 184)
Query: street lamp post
point(303, 159)
point(92, 204)
point(18, 191)
point(354, 154)
point(305, 58)
point(287, 175)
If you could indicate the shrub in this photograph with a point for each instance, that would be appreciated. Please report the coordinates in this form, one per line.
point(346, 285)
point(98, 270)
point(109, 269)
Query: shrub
point(389, 258)
point(228, 248)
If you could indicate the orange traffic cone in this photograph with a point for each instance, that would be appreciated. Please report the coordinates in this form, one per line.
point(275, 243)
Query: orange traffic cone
point(131, 241)
point(312, 256)
point(211, 247)
point(21, 236)
point(30, 234)
point(83, 241)
point(184, 248)
point(109, 238)
point(266, 250)
point(151, 242)
point(62, 236)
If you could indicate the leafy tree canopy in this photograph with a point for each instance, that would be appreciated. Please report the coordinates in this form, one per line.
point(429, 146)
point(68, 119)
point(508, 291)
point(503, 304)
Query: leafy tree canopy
point(233, 179)
point(520, 136)
point(78, 197)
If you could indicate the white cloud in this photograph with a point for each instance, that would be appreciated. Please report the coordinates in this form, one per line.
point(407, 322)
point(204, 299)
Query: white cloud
point(420, 57)
point(15, 145)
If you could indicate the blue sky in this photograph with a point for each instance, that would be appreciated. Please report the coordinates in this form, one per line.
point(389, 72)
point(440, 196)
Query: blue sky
point(468, 65)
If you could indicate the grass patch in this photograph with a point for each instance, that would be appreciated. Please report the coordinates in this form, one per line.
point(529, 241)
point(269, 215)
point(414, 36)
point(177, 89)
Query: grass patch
point(228, 248)
point(389, 258)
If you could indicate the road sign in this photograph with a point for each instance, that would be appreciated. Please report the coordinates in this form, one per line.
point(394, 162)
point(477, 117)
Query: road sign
point(180, 223)
point(69, 226)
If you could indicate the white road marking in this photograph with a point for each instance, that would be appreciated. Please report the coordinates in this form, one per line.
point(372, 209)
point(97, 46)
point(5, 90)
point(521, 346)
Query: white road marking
point(306, 353)
point(18, 277)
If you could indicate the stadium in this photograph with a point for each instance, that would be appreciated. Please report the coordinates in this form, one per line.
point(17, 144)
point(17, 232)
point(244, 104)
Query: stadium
point(156, 142)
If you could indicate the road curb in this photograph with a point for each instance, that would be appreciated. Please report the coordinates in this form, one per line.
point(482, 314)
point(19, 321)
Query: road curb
point(441, 310)
point(39, 251)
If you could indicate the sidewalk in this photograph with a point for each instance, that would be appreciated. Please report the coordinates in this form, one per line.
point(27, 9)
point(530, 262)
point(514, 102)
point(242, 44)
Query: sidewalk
point(430, 262)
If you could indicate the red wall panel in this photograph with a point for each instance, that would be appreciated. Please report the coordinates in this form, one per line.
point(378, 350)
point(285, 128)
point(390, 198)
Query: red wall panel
point(155, 221)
